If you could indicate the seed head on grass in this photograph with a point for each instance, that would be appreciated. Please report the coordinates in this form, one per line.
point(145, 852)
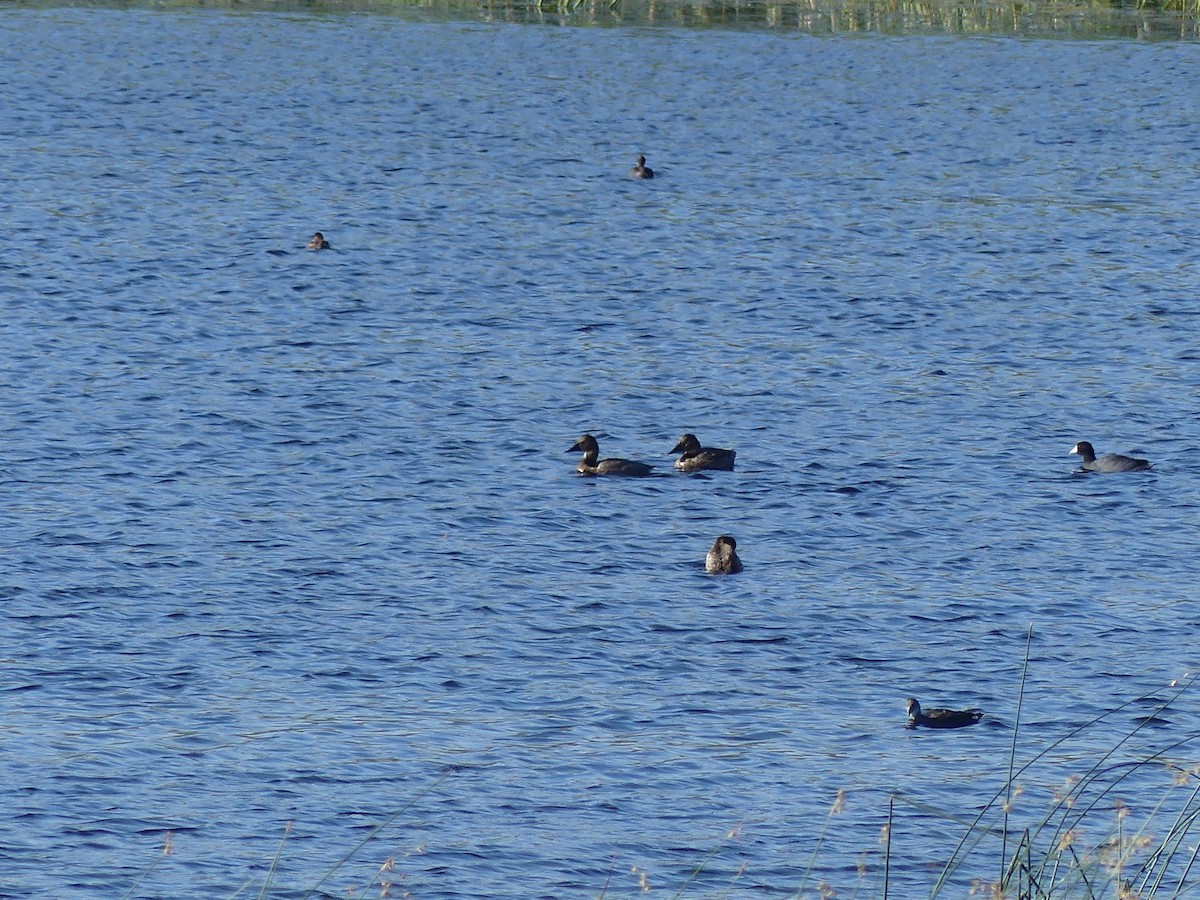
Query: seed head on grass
point(1122, 810)
point(1181, 777)
point(643, 879)
point(993, 890)
point(1065, 795)
point(839, 802)
point(1068, 840)
point(1007, 805)
point(167, 850)
point(1115, 854)
point(385, 886)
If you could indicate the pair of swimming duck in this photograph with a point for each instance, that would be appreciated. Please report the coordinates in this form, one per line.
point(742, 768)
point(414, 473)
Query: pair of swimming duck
point(695, 457)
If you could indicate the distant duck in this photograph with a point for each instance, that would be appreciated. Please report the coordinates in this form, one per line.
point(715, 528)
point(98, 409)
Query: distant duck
point(1114, 462)
point(696, 457)
point(722, 559)
point(641, 170)
point(318, 242)
point(941, 718)
point(591, 464)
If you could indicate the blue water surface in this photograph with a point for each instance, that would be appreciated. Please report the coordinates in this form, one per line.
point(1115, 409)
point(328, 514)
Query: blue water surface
point(293, 548)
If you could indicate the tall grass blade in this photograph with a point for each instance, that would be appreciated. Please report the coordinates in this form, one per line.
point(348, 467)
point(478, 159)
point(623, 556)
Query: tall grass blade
point(274, 867)
point(1188, 868)
point(887, 847)
point(1072, 815)
point(167, 850)
point(1012, 755)
point(729, 836)
point(955, 857)
point(838, 802)
point(608, 880)
point(1066, 814)
point(374, 831)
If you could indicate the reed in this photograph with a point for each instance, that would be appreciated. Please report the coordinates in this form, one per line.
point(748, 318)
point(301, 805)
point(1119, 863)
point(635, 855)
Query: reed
point(1086, 844)
point(839, 804)
point(729, 836)
point(1041, 18)
point(375, 831)
point(167, 849)
point(1082, 845)
point(274, 867)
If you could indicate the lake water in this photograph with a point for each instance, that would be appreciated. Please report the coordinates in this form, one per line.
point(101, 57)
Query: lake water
point(293, 537)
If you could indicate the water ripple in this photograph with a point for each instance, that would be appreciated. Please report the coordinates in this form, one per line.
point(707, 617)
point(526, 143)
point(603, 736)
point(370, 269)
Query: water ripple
point(293, 537)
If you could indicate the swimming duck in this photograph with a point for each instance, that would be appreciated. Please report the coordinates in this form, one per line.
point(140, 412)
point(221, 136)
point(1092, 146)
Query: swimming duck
point(1114, 462)
point(722, 559)
point(940, 718)
point(696, 457)
point(318, 242)
point(641, 170)
point(591, 463)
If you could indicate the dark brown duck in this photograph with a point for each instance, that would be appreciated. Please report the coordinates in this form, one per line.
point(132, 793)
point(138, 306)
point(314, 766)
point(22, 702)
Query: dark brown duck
point(696, 457)
point(940, 718)
point(591, 464)
point(641, 170)
point(722, 559)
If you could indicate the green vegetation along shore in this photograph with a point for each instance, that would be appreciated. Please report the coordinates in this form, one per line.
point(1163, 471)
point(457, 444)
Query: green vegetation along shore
point(1099, 19)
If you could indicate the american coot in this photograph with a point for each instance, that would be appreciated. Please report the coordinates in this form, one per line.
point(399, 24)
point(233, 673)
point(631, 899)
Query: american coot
point(696, 457)
point(591, 464)
point(941, 718)
point(641, 170)
point(722, 559)
point(1114, 462)
point(318, 242)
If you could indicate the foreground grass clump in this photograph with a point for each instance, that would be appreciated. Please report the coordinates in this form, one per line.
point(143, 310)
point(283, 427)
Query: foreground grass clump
point(1125, 827)
point(1091, 842)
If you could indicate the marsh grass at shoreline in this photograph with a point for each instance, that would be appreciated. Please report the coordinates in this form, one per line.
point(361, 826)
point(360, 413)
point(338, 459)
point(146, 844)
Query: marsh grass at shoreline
point(1163, 20)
